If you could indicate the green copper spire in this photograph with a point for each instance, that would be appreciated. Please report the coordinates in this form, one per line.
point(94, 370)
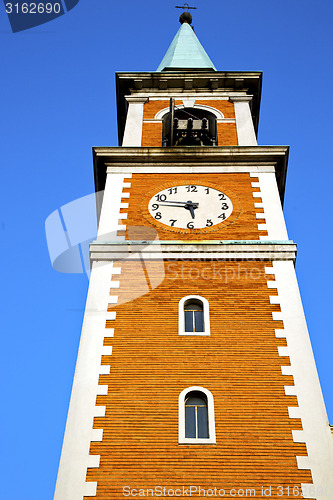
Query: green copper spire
point(185, 51)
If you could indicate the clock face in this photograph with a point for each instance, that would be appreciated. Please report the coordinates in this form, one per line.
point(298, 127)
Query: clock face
point(190, 206)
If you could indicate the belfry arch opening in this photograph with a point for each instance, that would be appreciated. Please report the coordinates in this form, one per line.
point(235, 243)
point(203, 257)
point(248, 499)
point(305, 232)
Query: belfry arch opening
point(190, 127)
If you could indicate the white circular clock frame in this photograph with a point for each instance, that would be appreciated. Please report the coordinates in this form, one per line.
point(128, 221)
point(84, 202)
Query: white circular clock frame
point(190, 206)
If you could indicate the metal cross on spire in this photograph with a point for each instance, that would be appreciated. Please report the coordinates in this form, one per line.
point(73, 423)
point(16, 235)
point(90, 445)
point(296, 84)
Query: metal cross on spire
point(186, 7)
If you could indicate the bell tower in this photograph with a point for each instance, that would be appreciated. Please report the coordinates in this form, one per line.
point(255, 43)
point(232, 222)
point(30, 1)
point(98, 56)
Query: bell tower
point(195, 374)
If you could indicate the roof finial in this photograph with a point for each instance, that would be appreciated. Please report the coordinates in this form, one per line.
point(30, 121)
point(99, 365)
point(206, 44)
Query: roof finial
point(185, 17)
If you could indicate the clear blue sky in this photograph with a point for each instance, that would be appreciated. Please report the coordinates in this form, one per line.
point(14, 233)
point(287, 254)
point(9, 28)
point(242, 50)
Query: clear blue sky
point(57, 101)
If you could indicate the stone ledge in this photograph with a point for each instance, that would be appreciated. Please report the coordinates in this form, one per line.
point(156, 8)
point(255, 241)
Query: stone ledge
point(193, 250)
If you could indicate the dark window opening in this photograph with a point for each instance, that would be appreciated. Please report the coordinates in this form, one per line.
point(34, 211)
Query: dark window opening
point(191, 127)
point(194, 316)
point(196, 416)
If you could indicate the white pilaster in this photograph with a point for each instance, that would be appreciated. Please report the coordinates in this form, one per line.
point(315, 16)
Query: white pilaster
point(75, 458)
point(244, 123)
point(134, 119)
point(316, 431)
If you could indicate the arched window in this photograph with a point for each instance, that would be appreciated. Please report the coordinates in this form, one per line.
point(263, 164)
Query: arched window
point(194, 316)
point(190, 127)
point(196, 416)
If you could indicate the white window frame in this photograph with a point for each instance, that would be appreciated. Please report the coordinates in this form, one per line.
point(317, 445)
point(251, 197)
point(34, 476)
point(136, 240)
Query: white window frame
point(181, 417)
point(181, 315)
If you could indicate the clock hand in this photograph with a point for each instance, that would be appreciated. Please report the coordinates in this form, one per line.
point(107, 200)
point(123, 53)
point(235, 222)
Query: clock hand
point(191, 209)
point(170, 205)
point(191, 206)
point(178, 203)
point(188, 205)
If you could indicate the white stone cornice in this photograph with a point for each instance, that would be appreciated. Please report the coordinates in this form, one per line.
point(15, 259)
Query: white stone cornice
point(193, 250)
point(182, 168)
point(240, 98)
point(193, 154)
point(191, 160)
point(137, 99)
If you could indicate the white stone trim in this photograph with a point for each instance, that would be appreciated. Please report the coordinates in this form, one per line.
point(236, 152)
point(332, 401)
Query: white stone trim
point(277, 316)
point(271, 203)
point(244, 124)
point(151, 120)
point(97, 434)
point(102, 391)
point(112, 299)
point(262, 227)
point(104, 370)
point(287, 370)
point(260, 216)
point(93, 461)
point(110, 251)
point(226, 120)
point(181, 322)
point(188, 102)
point(254, 157)
point(114, 284)
point(90, 489)
point(160, 114)
point(110, 332)
point(218, 120)
point(220, 256)
point(107, 351)
point(294, 411)
point(280, 333)
point(271, 284)
point(110, 212)
point(165, 95)
point(181, 417)
point(283, 351)
point(180, 168)
point(133, 127)
point(79, 433)
point(316, 433)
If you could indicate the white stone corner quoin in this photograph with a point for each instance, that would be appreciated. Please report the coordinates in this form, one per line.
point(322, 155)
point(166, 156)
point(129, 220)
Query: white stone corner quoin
point(79, 433)
point(316, 432)
point(110, 212)
point(274, 222)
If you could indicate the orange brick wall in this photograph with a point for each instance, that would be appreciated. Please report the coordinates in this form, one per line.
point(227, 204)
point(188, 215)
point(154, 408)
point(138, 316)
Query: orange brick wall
point(152, 107)
point(227, 134)
point(241, 225)
point(152, 132)
point(239, 363)
point(152, 135)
